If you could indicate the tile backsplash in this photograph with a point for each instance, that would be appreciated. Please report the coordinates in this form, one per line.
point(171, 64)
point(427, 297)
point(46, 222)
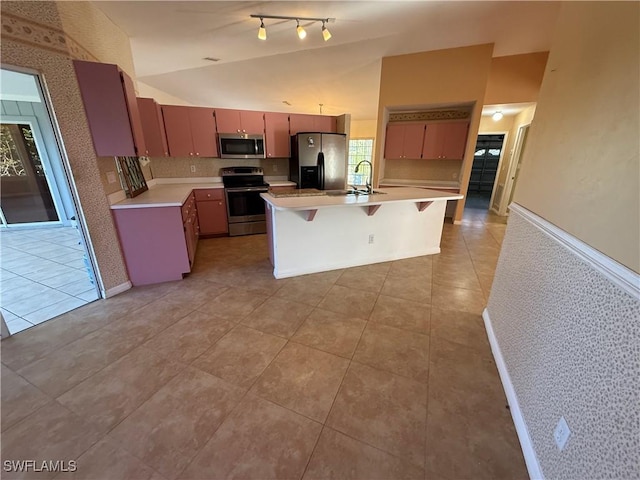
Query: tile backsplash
point(178, 167)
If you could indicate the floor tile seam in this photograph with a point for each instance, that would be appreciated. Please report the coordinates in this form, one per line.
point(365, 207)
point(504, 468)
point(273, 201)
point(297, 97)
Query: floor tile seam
point(34, 295)
point(233, 410)
point(75, 414)
point(58, 347)
point(144, 400)
point(56, 303)
point(86, 378)
point(270, 400)
point(50, 400)
point(405, 377)
point(109, 434)
point(405, 461)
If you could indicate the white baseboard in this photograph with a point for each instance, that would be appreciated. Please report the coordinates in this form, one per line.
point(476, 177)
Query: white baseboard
point(530, 457)
point(123, 287)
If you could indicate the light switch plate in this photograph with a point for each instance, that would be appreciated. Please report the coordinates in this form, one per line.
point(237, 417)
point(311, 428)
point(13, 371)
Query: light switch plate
point(111, 177)
point(561, 433)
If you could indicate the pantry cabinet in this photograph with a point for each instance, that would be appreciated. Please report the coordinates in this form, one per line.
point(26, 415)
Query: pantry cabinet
point(404, 141)
point(445, 140)
point(191, 131)
point(277, 137)
point(212, 211)
point(155, 138)
point(239, 121)
point(112, 110)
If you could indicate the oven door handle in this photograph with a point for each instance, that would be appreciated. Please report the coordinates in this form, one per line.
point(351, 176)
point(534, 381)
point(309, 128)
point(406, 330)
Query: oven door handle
point(247, 189)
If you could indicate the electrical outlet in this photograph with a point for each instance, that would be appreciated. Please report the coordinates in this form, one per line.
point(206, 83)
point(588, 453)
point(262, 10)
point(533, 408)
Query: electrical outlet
point(561, 433)
point(193, 169)
point(454, 176)
point(371, 237)
point(111, 177)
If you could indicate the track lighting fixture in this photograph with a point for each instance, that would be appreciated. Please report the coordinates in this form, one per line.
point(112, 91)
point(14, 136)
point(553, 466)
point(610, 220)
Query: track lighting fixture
point(326, 34)
point(301, 32)
point(262, 32)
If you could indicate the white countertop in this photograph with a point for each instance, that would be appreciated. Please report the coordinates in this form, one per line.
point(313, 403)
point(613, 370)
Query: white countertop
point(436, 184)
point(401, 194)
point(164, 195)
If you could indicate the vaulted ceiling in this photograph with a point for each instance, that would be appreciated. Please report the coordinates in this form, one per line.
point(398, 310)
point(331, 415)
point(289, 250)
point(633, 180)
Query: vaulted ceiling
point(170, 40)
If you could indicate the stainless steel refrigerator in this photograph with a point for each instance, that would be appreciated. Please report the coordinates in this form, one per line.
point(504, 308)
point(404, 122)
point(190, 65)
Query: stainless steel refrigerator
point(319, 160)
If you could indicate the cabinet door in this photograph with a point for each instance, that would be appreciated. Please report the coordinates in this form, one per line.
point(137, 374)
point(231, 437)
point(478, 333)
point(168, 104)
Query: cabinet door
point(106, 108)
point(433, 141)
point(252, 122)
point(203, 131)
point(134, 114)
point(455, 140)
point(277, 135)
point(153, 128)
point(394, 141)
point(176, 124)
point(301, 123)
point(413, 139)
point(228, 121)
point(212, 215)
point(325, 124)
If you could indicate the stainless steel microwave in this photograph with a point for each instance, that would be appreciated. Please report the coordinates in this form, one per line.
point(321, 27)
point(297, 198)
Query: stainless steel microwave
point(241, 145)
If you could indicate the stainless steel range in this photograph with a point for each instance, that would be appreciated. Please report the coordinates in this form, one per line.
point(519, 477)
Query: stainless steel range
point(245, 208)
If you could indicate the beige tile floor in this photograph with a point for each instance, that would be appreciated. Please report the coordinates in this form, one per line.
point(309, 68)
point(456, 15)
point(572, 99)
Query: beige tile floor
point(375, 372)
point(42, 275)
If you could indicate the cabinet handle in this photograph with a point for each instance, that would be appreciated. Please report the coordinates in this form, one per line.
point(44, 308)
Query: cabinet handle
point(197, 153)
point(219, 203)
point(208, 195)
point(244, 131)
point(238, 130)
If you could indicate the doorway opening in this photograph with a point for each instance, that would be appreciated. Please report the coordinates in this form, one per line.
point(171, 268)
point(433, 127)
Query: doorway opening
point(484, 171)
point(45, 267)
point(504, 193)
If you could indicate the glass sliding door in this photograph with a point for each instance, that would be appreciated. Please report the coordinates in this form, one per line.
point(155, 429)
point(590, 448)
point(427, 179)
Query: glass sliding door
point(25, 192)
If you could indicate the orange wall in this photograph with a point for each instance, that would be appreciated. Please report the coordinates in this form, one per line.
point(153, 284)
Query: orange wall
point(515, 78)
point(433, 79)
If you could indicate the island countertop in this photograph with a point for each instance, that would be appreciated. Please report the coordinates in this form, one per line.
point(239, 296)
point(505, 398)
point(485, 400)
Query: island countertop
point(387, 195)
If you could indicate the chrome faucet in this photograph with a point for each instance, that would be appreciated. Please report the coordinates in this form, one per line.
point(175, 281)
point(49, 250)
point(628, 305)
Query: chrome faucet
point(370, 179)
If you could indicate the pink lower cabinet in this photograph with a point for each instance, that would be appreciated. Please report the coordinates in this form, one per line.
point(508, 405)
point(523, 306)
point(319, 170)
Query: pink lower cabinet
point(158, 245)
point(212, 211)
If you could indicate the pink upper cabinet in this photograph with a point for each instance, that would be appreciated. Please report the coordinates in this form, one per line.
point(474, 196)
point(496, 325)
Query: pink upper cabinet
point(154, 135)
point(105, 104)
point(445, 140)
point(203, 131)
point(178, 129)
point(301, 123)
point(325, 124)
point(239, 121)
point(277, 135)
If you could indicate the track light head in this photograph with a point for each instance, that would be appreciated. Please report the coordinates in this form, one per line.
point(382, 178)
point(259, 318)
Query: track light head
point(301, 31)
point(326, 34)
point(262, 32)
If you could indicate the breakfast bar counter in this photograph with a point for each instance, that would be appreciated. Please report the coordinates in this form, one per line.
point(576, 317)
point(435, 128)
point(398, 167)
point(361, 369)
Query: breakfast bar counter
point(311, 233)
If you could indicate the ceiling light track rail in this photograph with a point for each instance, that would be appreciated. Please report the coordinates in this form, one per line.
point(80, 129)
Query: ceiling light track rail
point(300, 31)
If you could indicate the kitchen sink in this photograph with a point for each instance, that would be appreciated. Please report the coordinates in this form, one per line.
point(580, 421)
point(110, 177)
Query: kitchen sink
point(342, 193)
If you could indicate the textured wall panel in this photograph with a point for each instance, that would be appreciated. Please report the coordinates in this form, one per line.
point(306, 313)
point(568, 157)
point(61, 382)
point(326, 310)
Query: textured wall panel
point(570, 339)
point(58, 75)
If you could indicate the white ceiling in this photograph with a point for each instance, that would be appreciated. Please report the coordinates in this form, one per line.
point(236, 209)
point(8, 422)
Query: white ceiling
point(170, 39)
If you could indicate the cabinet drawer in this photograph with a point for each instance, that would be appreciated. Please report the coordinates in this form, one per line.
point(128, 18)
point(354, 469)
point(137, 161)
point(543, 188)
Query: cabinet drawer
point(209, 194)
point(188, 207)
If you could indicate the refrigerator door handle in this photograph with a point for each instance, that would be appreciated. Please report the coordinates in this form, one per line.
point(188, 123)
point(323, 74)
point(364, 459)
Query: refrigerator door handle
point(321, 171)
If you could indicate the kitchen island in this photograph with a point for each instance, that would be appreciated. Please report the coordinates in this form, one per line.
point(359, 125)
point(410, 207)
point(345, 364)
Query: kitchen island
point(316, 233)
